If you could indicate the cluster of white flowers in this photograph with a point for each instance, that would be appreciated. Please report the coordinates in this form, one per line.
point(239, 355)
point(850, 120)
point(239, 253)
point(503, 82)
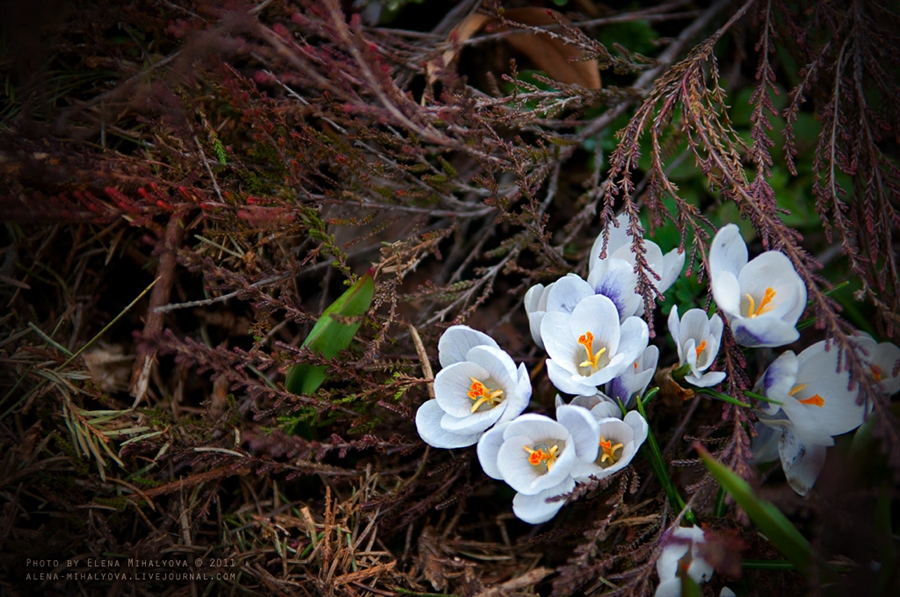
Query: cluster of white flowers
point(598, 350)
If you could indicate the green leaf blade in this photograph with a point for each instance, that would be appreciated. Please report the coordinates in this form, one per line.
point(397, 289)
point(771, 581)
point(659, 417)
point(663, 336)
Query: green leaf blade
point(332, 334)
point(773, 524)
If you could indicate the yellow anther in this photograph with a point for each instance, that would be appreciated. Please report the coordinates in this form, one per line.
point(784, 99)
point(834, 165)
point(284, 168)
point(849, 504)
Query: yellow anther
point(483, 395)
point(700, 349)
point(609, 450)
point(764, 305)
point(536, 457)
point(796, 389)
point(814, 400)
point(587, 340)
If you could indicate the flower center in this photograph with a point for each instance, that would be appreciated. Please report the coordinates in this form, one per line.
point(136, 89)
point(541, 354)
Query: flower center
point(609, 452)
point(539, 456)
point(814, 400)
point(593, 358)
point(482, 394)
point(876, 372)
point(700, 349)
point(765, 305)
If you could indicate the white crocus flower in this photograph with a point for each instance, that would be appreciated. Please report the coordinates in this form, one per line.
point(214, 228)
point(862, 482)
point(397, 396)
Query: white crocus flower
point(614, 278)
point(635, 379)
point(588, 347)
point(536, 455)
point(682, 548)
point(882, 360)
point(816, 405)
point(762, 299)
point(697, 339)
point(667, 266)
point(478, 386)
point(619, 442)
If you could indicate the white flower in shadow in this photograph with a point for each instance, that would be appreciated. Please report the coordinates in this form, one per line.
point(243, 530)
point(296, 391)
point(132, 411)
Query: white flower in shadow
point(762, 299)
point(815, 405)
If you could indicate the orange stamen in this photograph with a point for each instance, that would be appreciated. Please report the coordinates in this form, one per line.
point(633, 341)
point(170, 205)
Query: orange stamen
point(483, 395)
point(587, 340)
point(609, 450)
point(814, 400)
point(536, 457)
point(764, 304)
point(700, 349)
point(876, 372)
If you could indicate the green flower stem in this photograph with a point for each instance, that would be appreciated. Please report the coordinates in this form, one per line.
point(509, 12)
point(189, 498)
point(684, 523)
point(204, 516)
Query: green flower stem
point(768, 565)
point(760, 397)
point(721, 396)
point(659, 466)
point(680, 373)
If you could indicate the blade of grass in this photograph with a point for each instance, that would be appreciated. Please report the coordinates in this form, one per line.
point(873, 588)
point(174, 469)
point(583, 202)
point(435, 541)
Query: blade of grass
point(659, 465)
point(78, 352)
point(721, 396)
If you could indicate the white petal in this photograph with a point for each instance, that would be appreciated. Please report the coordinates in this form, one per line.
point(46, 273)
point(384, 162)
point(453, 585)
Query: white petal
point(727, 253)
point(488, 448)
point(618, 237)
point(727, 293)
point(675, 548)
point(606, 410)
point(883, 358)
point(669, 588)
point(781, 376)
point(707, 380)
point(535, 509)
point(773, 270)
point(559, 342)
point(675, 330)
point(519, 399)
point(615, 279)
point(673, 263)
point(760, 332)
point(471, 423)
point(452, 384)
point(584, 429)
point(499, 365)
point(567, 292)
point(534, 297)
point(802, 462)
point(456, 342)
point(694, 324)
point(726, 592)
point(598, 315)
point(639, 426)
point(566, 381)
point(534, 326)
point(428, 424)
point(635, 335)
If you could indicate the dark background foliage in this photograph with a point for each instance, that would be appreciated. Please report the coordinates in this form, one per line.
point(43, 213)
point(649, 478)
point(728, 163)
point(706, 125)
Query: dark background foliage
point(248, 160)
